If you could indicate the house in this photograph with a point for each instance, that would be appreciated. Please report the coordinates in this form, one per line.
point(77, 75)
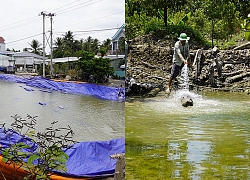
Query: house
point(2, 44)
point(119, 35)
point(7, 62)
point(27, 61)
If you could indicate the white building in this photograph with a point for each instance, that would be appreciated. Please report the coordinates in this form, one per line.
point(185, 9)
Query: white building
point(7, 61)
point(119, 35)
point(2, 44)
point(27, 61)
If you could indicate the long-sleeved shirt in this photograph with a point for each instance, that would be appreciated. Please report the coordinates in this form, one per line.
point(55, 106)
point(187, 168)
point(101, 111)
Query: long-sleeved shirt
point(181, 53)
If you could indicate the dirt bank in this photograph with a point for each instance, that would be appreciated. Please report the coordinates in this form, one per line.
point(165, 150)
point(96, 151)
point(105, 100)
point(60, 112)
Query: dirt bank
point(149, 64)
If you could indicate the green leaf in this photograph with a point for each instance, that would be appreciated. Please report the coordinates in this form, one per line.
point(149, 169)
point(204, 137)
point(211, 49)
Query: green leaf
point(170, 21)
point(161, 13)
point(20, 153)
point(5, 160)
point(22, 145)
point(32, 158)
point(185, 18)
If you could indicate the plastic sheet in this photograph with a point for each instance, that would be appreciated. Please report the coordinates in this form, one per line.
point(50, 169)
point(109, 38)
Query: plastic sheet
point(103, 92)
point(86, 159)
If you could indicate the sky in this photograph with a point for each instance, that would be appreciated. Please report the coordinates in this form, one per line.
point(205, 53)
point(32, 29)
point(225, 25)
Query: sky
point(21, 20)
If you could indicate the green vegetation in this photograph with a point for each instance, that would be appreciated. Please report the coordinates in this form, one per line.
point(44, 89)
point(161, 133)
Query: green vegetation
point(48, 154)
point(68, 46)
point(85, 50)
point(208, 23)
point(98, 67)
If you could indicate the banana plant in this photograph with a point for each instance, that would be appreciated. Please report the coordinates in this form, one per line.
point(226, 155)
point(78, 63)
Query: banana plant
point(246, 26)
point(171, 22)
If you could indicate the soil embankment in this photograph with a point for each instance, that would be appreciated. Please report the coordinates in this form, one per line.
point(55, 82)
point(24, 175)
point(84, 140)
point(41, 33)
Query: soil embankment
point(149, 64)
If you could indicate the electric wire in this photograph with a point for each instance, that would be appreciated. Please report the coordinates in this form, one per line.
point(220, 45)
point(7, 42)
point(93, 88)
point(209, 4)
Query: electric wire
point(78, 6)
point(34, 19)
point(54, 10)
point(91, 20)
point(37, 18)
point(25, 38)
point(106, 29)
point(18, 24)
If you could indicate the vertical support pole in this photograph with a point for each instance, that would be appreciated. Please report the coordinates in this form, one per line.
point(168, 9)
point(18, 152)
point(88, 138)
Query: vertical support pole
point(51, 42)
point(43, 43)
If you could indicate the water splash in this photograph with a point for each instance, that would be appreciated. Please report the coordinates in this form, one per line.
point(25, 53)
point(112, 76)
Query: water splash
point(184, 79)
point(183, 87)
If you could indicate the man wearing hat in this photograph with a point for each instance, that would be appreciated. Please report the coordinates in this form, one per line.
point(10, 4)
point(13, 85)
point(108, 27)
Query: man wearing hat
point(180, 57)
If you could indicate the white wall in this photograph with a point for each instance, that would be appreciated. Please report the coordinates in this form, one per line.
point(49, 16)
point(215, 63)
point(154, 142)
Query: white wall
point(4, 61)
point(2, 47)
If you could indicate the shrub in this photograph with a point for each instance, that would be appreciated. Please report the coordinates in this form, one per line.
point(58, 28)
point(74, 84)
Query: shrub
point(40, 155)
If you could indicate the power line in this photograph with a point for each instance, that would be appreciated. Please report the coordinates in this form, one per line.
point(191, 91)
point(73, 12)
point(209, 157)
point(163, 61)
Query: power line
point(24, 38)
point(79, 7)
point(92, 19)
point(54, 10)
point(35, 19)
point(106, 29)
point(19, 24)
point(86, 31)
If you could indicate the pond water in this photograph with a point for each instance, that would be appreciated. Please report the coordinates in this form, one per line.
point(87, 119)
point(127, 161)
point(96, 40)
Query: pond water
point(209, 140)
point(90, 118)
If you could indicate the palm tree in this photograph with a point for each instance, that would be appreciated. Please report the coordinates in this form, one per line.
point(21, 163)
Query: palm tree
point(58, 49)
point(35, 47)
point(68, 41)
point(87, 44)
point(95, 46)
point(58, 42)
point(107, 44)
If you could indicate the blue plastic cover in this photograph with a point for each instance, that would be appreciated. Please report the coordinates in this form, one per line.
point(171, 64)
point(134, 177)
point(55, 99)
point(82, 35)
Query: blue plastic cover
point(93, 158)
point(103, 92)
point(86, 159)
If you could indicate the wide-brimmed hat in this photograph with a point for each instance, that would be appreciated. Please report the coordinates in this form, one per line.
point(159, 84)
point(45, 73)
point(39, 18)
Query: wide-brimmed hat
point(183, 37)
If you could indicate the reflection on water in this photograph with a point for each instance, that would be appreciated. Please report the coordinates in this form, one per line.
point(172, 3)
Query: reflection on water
point(89, 117)
point(209, 140)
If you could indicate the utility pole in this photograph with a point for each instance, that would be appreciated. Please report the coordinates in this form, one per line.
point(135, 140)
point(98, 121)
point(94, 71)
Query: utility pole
point(51, 49)
point(51, 44)
point(42, 13)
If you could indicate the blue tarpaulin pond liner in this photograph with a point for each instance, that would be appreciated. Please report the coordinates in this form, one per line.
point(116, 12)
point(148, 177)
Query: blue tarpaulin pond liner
point(102, 92)
point(86, 159)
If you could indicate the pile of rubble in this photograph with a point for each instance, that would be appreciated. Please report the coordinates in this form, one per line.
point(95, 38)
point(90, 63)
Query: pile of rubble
point(149, 64)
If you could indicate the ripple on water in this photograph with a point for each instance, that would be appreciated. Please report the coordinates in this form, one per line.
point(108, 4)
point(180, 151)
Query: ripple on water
point(202, 104)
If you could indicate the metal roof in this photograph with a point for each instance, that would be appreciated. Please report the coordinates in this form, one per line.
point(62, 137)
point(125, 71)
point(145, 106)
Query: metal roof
point(112, 57)
point(62, 60)
point(28, 54)
point(119, 31)
point(7, 52)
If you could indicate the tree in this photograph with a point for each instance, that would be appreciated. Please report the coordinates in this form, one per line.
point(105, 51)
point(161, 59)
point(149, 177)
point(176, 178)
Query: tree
point(98, 67)
point(152, 7)
point(224, 14)
point(105, 47)
point(107, 44)
point(243, 7)
point(58, 49)
point(35, 47)
point(68, 41)
point(230, 18)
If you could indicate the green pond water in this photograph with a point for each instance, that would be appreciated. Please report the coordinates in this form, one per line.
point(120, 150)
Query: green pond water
point(210, 140)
